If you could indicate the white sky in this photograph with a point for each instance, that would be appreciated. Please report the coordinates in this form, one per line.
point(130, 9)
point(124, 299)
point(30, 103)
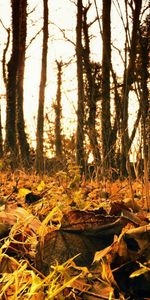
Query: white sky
point(63, 14)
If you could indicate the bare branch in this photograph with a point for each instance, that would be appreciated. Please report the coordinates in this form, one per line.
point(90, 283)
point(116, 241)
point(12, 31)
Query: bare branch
point(91, 23)
point(119, 51)
point(32, 40)
point(73, 2)
point(87, 7)
point(30, 12)
point(98, 18)
point(64, 34)
point(3, 25)
point(134, 129)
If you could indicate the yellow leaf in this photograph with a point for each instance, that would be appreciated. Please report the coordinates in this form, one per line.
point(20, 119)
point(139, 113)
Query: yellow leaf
point(139, 272)
point(41, 186)
point(23, 192)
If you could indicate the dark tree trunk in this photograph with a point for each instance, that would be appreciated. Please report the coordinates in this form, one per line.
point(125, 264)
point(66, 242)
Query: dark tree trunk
point(22, 138)
point(145, 104)
point(116, 130)
point(145, 101)
point(91, 92)
point(11, 136)
point(58, 111)
point(128, 81)
point(40, 118)
point(106, 64)
point(80, 108)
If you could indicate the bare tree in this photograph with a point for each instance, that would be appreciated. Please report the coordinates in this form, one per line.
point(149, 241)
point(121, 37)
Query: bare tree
point(40, 118)
point(106, 64)
point(11, 132)
point(91, 89)
point(143, 65)
point(127, 83)
point(22, 138)
point(80, 109)
point(58, 111)
point(15, 127)
point(143, 74)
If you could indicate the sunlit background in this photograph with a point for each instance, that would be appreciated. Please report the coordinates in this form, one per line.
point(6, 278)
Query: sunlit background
point(62, 16)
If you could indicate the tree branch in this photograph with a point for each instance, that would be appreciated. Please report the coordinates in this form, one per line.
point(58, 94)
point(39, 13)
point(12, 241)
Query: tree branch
point(64, 34)
point(134, 129)
point(31, 41)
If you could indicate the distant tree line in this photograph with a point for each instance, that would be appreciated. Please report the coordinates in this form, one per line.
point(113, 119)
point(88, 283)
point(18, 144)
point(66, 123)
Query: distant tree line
point(99, 132)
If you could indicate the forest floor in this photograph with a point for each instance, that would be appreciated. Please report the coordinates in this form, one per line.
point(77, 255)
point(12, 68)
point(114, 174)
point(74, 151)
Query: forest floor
point(66, 238)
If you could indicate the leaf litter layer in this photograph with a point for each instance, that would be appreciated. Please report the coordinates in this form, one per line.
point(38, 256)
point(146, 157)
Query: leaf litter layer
point(64, 238)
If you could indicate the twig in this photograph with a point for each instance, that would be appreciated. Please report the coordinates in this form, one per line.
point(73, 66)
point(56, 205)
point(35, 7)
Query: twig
point(35, 270)
point(64, 35)
point(31, 11)
point(31, 41)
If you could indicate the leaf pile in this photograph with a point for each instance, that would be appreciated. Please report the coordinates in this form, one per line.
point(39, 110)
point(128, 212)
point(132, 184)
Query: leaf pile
point(62, 238)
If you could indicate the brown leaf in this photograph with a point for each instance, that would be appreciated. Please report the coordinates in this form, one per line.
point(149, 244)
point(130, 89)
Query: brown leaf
point(76, 239)
point(83, 220)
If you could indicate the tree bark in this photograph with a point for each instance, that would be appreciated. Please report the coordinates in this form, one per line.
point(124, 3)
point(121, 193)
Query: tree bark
point(58, 110)
point(145, 101)
point(128, 81)
point(80, 108)
point(40, 118)
point(11, 133)
point(91, 92)
point(22, 138)
point(106, 64)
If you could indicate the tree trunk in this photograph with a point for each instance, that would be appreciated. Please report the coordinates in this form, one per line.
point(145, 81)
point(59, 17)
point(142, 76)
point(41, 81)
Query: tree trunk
point(11, 135)
point(58, 110)
point(22, 138)
point(128, 81)
point(106, 63)
point(91, 92)
point(80, 108)
point(145, 106)
point(145, 101)
point(40, 118)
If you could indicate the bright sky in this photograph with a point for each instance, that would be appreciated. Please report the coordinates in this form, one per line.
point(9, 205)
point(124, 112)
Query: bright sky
point(63, 14)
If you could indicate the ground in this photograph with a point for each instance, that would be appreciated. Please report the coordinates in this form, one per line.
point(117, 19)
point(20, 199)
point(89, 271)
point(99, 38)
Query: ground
point(63, 237)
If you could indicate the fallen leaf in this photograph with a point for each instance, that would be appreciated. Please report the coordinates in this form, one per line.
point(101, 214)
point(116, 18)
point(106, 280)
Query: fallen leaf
point(23, 192)
point(41, 186)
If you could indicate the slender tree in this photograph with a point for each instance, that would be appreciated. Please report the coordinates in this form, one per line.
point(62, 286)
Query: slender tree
point(15, 128)
point(91, 90)
point(40, 118)
point(142, 72)
point(11, 133)
point(58, 111)
point(22, 138)
point(106, 64)
point(129, 79)
point(80, 108)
